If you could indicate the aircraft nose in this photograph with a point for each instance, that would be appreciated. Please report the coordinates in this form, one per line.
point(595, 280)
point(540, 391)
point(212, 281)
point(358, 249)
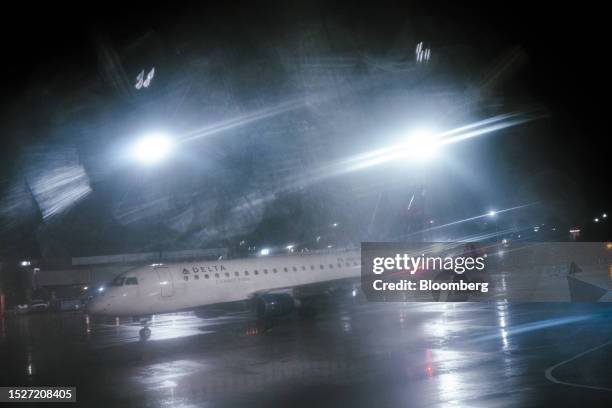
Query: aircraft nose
point(96, 305)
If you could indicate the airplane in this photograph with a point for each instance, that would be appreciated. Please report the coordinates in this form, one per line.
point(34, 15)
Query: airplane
point(273, 283)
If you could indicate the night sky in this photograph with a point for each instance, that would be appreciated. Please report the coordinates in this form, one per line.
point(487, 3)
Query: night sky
point(66, 101)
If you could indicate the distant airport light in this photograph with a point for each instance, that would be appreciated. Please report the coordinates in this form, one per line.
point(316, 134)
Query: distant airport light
point(101, 289)
point(604, 215)
point(335, 224)
point(152, 149)
point(25, 263)
point(492, 213)
point(264, 252)
point(290, 247)
point(85, 287)
point(596, 220)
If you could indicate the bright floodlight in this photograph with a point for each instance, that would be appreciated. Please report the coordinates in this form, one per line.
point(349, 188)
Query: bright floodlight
point(492, 213)
point(422, 145)
point(265, 251)
point(152, 149)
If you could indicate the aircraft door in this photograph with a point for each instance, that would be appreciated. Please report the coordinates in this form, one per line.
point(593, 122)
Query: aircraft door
point(165, 281)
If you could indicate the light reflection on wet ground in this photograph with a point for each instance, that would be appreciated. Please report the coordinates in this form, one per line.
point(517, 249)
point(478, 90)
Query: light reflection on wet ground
point(103, 333)
point(383, 355)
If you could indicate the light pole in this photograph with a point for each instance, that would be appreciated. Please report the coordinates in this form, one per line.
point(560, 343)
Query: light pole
point(422, 146)
point(493, 214)
point(148, 151)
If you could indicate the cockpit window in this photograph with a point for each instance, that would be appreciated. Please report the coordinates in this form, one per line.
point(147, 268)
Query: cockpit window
point(118, 281)
point(131, 281)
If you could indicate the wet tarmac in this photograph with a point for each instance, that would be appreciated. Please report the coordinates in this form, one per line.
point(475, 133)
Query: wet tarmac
point(354, 355)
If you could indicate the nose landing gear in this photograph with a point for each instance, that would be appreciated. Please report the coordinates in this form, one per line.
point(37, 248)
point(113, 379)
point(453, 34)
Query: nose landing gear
point(145, 332)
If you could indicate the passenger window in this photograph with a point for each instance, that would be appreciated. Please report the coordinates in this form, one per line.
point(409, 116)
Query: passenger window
point(131, 281)
point(355, 263)
point(321, 266)
point(237, 273)
point(216, 275)
point(206, 276)
point(266, 271)
point(339, 265)
point(331, 266)
point(294, 269)
point(286, 270)
point(256, 272)
point(227, 274)
point(186, 277)
point(197, 277)
point(246, 273)
point(303, 268)
point(274, 270)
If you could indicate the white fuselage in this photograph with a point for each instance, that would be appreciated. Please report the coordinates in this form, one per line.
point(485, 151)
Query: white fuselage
point(180, 286)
